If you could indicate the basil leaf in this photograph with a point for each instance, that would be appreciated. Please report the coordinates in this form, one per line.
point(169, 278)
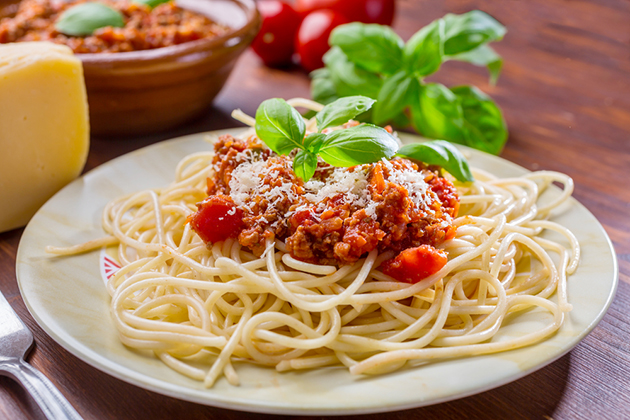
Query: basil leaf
point(423, 53)
point(304, 164)
point(401, 120)
point(322, 87)
point(348, 78)
point(151, 3)
point(375, 48)
point(483, 55)
point(314, 141)
point(485, 127)
point(442, 153)
point(357, 145)
point(397, 92)
point(468, 31)
point(280, 126)
point(83, 19)
point(438, 114)
point(342, 110)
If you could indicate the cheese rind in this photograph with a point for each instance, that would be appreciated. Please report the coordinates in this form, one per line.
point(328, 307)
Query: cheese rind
point(44, 128)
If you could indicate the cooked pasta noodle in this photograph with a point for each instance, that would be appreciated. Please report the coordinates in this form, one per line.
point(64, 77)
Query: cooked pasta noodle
point(201, 310)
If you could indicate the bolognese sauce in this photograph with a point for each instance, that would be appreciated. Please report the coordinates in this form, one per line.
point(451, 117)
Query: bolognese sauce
point(339, 215)
point(145, 28)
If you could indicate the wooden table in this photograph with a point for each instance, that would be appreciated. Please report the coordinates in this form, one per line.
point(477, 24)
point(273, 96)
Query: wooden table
point(565, 92)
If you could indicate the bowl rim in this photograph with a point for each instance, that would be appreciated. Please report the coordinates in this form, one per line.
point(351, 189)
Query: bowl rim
point(234, 37)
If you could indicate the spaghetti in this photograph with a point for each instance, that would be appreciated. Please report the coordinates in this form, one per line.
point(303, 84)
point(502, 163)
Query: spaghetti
point(202, 309)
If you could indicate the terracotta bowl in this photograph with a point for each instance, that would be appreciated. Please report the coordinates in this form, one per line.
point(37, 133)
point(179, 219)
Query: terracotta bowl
point(148, 91)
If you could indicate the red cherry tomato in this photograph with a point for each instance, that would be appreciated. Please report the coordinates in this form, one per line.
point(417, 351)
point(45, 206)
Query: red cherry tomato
point(217, 218)
point(311, 42)
point(274, 42)
point(415, 264)
point(366, 11)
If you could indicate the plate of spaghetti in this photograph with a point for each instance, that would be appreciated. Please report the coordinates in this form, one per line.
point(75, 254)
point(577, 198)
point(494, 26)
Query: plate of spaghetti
point(205, 269)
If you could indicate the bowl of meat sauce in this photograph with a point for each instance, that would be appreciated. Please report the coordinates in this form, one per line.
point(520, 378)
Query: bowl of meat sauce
point(159, 68)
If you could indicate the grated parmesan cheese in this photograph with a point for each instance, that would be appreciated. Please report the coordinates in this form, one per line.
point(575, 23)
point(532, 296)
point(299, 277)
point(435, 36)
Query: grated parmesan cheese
point(351, 184)
point(247, 180)
point(415, 184)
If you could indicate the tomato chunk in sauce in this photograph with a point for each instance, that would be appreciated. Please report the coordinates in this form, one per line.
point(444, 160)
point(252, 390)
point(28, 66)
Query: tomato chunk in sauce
point(415, 264)
point(217, 219)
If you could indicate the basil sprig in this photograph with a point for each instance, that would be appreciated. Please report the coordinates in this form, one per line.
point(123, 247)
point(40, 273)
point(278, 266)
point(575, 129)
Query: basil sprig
point(372, 60)
point(83, 19)
point(442, 153)
point(282, 128)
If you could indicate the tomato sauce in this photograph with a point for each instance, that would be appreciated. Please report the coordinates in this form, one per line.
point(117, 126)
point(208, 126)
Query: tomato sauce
point(394, 214)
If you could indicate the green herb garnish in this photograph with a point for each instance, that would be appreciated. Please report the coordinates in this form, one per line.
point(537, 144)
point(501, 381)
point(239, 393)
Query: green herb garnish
point(151, 3)
point(83, 19)
point(372, 60)
point(282, 128)
point(342, 110)
point(442, 153)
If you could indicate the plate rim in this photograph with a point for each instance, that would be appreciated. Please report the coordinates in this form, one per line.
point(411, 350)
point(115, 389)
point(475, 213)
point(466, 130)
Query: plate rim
point(136, 378)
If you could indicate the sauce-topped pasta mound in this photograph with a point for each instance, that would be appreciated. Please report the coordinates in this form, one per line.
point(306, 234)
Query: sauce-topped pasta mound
point(336, 217)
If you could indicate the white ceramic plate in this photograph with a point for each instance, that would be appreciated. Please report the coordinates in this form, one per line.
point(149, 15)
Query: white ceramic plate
point(68, 299)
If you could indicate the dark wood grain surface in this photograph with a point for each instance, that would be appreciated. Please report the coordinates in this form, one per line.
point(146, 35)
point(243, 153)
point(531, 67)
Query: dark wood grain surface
point(565, 92)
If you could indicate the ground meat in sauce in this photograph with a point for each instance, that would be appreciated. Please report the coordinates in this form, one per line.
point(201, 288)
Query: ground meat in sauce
point(144, 29)
point(333, 230)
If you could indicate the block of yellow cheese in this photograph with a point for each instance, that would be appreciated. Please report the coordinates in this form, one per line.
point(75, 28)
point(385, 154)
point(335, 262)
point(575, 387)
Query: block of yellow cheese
point(44, 128)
